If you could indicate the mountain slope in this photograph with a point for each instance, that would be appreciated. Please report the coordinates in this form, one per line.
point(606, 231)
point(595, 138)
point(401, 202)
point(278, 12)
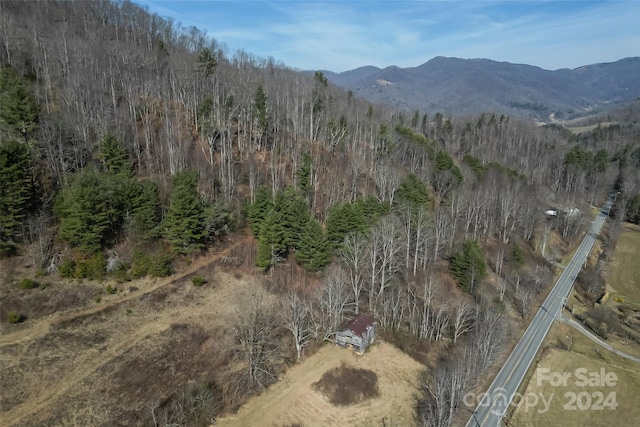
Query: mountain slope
point(468, 86)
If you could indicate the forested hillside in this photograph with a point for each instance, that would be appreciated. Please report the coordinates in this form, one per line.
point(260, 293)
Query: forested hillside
point(131, 145)
point(472, 86)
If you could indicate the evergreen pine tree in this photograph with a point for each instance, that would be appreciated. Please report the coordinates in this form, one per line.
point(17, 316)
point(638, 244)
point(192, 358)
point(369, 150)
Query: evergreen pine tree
point(468, 266)
point(260, 104)
point(345, 218)
point(337, 223)
point(314, 251)
point(413, 192)
point(372, 209)
point(18, 108)
point(90, 209)
point(145, 209)
point(303, 174)
point(294, 215)
point(271, 240)
point(184, 222)
point(16, 191)
point(114, 156)
point(257, 211)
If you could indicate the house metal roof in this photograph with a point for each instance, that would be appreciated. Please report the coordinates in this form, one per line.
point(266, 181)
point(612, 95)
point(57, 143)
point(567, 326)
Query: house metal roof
point(358, 325)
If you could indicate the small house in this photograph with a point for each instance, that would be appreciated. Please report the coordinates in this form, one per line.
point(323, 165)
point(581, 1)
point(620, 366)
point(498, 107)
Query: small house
point(358, 333)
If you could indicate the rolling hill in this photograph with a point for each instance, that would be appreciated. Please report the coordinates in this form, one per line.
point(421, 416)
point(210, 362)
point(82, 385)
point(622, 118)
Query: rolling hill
point(469, 86)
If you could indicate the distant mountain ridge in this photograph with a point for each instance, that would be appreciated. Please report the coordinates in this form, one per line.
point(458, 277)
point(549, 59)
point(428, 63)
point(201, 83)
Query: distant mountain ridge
point(469, 86)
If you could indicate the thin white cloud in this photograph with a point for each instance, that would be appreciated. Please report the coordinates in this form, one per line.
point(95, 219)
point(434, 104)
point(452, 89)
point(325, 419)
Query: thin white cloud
point(341, 35)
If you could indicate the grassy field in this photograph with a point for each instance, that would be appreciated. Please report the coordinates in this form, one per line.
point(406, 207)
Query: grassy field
point(623, 272)
point(101, 361)
point(566, 350)
point(601, 404)
point(294, 400)
point(580, 129)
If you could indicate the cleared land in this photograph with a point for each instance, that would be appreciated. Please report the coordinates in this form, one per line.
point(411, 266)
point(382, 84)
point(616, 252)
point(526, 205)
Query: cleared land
point(592, 409)
point(294, 400)
point(114, 360)
point(567, 350)
point(98, 363)
point(623, 272)
point(581, 129)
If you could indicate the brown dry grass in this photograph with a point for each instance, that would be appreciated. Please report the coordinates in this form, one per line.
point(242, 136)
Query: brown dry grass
point(102, 364)
point(583, 354)
point(580, 129)
point(566, 350)
point(293, 400)
point(109, 366)
point(623, 272)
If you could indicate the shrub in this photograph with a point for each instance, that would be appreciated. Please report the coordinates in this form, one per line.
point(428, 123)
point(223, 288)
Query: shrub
point(198, 280)
point(27, 283)
point(517, 254)
point(80, 271)
point(121, 274)
point(111, 290)
point(14, 317)
point(140, 265)
point(155, 266)
point(96, 267)
point(67, 269)
point(161, 266)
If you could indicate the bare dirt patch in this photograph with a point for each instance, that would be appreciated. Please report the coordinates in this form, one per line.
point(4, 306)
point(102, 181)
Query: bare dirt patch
point(295, 401)
point(346, 385)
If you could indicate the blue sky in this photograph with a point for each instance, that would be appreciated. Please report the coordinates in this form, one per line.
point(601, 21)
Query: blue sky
point(341, 35)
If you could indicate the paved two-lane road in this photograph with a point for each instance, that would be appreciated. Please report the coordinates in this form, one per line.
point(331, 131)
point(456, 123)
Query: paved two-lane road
point(496, 401)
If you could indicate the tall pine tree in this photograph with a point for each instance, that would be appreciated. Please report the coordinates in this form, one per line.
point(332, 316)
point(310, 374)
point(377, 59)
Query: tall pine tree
point(90, 209)
point(145, 210)
point(258, 210)
point(18, 108)
point(271, 241)
point(114, 156)
point(294, 215)
point(16, 191)
point(314, 251)
point(468, 266)
point(184, 221)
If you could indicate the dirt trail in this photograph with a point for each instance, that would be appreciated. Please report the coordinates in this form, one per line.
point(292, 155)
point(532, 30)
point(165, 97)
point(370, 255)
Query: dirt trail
point(123, 338)
point(40, 327)
point(47, 396)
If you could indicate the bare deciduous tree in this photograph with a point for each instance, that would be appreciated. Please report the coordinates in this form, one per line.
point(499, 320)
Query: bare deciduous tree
point(525, 296)
point(333, 303)
point(256, 330)
point(353, 255)
point(297, 318)
point(387, 181)
point(463, 319)
point(383, 256)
